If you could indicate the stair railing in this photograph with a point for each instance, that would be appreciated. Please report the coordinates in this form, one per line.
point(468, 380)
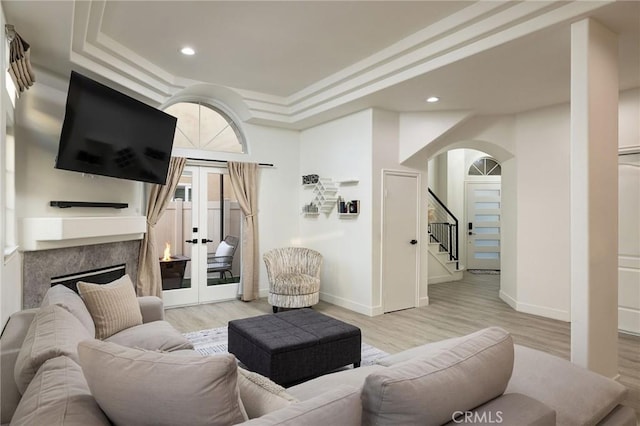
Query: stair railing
point(443, 227)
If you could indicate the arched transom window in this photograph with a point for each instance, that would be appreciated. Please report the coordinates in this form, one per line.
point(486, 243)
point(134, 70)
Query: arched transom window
point(485, 166)
point(201, 126)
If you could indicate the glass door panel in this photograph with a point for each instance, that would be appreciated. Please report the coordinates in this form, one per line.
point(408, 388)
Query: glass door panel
point(222, 269)
point(174, 236)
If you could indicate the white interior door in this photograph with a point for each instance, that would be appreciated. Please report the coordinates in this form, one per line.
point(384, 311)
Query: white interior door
point(195, 222)
point(400, 244)
point(483, 225)
point(629, 243)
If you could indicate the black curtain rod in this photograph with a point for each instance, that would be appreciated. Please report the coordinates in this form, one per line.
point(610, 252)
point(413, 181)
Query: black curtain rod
point(225, 161)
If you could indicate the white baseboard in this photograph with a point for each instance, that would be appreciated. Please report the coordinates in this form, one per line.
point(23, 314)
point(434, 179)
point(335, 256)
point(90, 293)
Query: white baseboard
point(542, 311)
point(629, 320)
point(508, 300)
point(445, 278)
point(377, 310)
point(350, 304)
point(424, 301)
point(263, 292)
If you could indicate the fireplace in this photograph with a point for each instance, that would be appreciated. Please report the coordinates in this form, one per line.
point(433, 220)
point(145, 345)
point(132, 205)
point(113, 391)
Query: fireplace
point(40, 267)
point(96, 276)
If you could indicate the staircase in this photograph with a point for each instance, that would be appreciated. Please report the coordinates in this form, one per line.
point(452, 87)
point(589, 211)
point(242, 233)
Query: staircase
point(444, 259)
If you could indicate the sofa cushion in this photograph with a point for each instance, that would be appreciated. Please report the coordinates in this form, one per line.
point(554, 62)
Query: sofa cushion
point(113, 306)
point(58, 395)
point(554, 382)
point(157, 335)
point(136, 387)
point(13, 336)
point(70, 300)
point(352, 377)
point(53, 332)
point(422, 350)
point(340, 406)
point(260, 395)
point(508, 409)
point(428, 390)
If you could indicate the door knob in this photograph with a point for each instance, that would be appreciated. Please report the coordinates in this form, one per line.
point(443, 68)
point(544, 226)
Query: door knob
point(413, 242)
point(206, 240)
point(194, 241)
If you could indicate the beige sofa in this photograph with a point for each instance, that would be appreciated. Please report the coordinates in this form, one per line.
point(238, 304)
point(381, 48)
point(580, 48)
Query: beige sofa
point(481, 378)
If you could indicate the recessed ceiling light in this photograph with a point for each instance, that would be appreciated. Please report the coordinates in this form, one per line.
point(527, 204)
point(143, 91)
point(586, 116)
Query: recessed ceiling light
point(187, 51)
point(433, 99)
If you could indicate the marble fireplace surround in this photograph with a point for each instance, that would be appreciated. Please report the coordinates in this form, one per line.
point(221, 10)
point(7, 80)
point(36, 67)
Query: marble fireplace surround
point(41, 265)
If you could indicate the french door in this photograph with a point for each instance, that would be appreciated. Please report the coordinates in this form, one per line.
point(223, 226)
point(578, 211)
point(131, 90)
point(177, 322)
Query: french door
point(483, 225)
point(202, 213)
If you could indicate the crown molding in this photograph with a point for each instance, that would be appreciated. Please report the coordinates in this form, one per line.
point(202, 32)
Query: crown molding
point(472, 30)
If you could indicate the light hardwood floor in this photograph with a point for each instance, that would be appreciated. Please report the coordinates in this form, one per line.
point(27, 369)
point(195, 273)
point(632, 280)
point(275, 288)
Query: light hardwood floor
point(455, 309)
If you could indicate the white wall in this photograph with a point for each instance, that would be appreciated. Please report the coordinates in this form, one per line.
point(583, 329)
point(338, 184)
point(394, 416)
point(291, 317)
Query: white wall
point(385, 148)
point(543, 214)
point(338, 150)
point(10, 280)
point(278, 202)
point(39, 115)
point(521, 144)
point(535, 276)
point(509, 257)
point(39, 118)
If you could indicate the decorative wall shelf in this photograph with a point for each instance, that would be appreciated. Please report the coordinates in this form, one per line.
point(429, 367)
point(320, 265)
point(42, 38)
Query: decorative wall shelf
point(348, 181)
point(347, 215)
point(68, 204)
point(324, 198)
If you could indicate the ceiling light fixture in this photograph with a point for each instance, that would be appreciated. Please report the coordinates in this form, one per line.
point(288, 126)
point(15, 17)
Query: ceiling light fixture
point(433, 99)
point(187, 51)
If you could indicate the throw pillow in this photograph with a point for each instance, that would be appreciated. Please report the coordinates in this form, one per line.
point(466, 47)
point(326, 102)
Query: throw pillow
point(58, 395)
point(53, 332)
point(152, 336)
point(430, 389)
point(224, 249)
point(260, 395)
point(112, 306)
point(136, 387)
point(70, 300)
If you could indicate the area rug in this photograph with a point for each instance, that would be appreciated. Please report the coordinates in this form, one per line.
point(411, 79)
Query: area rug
point(214, 341)
point(484, 271)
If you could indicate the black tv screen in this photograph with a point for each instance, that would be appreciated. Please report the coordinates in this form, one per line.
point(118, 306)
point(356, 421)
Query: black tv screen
point(108, 133)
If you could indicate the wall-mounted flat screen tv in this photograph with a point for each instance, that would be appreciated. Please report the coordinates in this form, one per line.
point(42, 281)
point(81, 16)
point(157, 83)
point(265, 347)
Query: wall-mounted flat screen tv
point(108, 133)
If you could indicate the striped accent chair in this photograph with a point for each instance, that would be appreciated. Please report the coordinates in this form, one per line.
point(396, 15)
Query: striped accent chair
point(294, 277)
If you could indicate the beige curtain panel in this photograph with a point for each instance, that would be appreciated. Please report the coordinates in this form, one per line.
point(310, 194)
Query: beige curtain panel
point(19, 60)
point(243, 177)
point(149, 278)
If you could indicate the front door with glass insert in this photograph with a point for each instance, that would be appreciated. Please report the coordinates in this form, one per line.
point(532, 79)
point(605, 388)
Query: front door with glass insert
point(201, 215)
point(483, 225)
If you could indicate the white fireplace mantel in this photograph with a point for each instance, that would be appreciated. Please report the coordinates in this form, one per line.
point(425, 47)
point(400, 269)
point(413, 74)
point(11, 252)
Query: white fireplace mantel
point(43, 233)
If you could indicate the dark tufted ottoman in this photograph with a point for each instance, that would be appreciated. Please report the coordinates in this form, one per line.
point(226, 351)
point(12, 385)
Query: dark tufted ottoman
point(292, 346)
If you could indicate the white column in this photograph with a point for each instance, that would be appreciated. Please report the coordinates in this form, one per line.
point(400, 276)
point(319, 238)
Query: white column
point(594, 197)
